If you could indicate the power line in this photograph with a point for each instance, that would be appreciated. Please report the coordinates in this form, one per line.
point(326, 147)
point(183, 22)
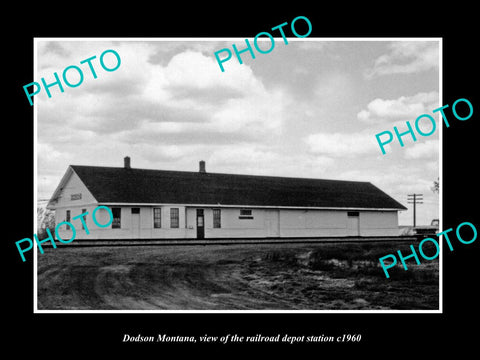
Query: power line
point(415, 199)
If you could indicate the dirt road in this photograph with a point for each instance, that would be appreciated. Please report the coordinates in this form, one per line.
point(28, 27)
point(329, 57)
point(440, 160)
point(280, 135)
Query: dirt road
point(232, 277)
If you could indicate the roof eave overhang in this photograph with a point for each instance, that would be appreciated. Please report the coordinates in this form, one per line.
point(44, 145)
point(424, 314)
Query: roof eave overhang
point(51, 205)
point(58, 190)
point(248, 206)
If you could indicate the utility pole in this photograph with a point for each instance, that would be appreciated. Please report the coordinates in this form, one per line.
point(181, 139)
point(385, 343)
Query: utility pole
point(415, 199)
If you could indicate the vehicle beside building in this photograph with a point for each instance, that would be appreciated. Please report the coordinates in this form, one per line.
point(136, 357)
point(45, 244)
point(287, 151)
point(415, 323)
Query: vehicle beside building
point(424, 231)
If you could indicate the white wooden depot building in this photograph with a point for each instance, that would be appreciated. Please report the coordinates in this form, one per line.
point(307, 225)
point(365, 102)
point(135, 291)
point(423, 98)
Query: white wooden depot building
point(161, 204)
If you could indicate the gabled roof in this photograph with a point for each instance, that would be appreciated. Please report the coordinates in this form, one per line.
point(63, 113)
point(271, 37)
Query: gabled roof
point(128, 185)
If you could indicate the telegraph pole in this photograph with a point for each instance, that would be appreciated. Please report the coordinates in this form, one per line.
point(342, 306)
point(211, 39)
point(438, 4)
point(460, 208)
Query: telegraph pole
point(415, 199)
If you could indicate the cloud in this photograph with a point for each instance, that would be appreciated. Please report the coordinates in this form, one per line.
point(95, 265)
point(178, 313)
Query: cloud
point(311, 44)
point(47, 155)
point(264, 160)
point(165, 50)
point(341, 144)
point(193, 69)
point(166, 152)
point(231, 102)
point(406, 108)
point(189, 94)
point(165, 114)
point(55, 48)
point(127, 80)
point(406, 57)
point(333, 89)
point(425, 150)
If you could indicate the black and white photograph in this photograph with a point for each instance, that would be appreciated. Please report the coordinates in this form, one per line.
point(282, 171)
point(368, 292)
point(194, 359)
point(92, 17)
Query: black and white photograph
point(217, 179)
point(238, 189)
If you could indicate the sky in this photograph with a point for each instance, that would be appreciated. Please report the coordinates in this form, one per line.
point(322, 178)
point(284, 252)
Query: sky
point(310, 108)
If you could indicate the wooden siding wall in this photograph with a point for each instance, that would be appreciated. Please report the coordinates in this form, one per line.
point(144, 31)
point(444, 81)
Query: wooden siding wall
point(265, 223)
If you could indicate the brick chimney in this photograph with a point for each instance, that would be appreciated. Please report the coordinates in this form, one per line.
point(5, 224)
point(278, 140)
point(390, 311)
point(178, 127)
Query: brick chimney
point(126, 162)
point(202, 166)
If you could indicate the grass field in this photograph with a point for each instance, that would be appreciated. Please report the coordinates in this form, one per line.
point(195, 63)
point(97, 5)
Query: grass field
point(325, 276)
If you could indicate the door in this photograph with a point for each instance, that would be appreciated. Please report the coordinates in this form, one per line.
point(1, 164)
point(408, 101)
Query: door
point(353, 223)
point(135, 223)
point(200, 224)
point(272, 223)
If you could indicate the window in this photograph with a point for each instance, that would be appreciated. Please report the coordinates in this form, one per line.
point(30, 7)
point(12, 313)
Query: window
point(157, 218)
point(245, 214)
point(217, 223)
point(83, 212)
point(67, 219)
point(135, 210)
point(116, 223)
point(174, 221)
point(353, 213)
